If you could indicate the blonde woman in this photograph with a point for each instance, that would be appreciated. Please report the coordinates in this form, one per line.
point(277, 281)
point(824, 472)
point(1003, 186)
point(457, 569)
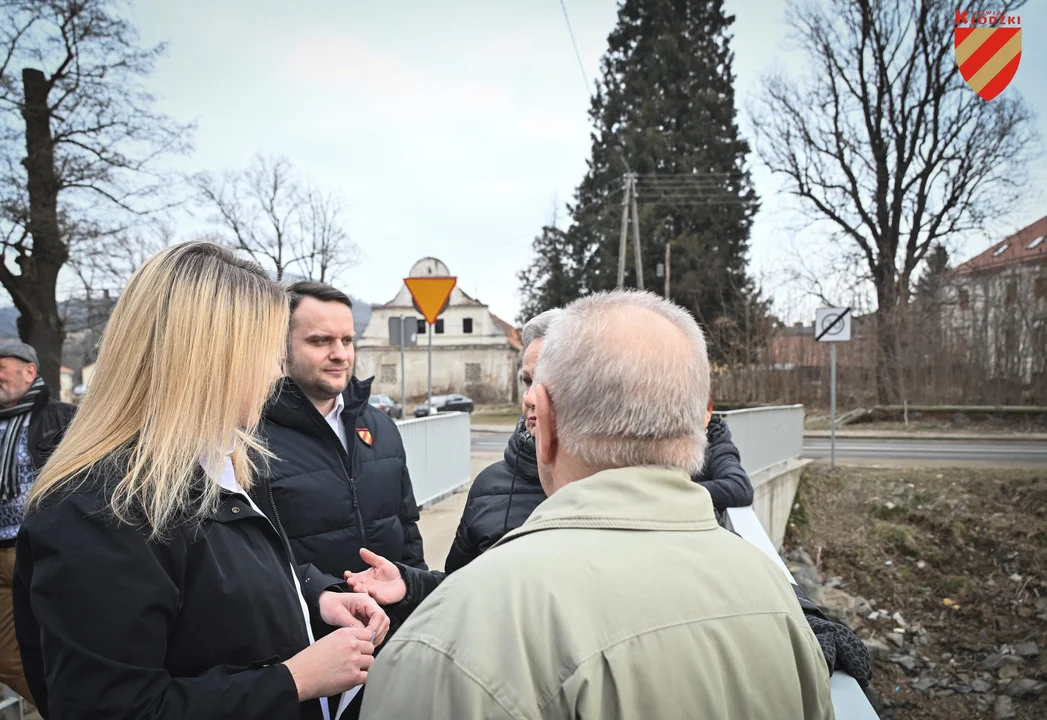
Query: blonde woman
point(151, 584)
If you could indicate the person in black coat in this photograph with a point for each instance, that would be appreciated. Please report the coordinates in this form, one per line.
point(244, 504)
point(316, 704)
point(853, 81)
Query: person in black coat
point(150, 583)
point(505, 494)
point(339, 472)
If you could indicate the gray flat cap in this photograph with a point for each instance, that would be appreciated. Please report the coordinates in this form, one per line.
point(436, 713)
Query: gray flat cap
point(18, 349)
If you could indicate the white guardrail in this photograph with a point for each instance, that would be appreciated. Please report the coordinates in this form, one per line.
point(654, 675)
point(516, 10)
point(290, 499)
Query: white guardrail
point(766, 437)
point(438, 449)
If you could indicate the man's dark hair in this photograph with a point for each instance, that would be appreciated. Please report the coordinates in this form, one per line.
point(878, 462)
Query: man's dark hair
point(318, 291)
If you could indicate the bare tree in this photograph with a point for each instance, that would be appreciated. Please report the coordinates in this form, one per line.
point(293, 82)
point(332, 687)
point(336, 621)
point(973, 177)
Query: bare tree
point(331, 251)
point(885, 143)
point(260, 208)
point(103, 262)
point(78, 139)
point(269, 213)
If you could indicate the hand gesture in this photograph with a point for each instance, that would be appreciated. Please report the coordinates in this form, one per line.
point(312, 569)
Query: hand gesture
point(354, 610)
point(333, 664)
point(382, 581)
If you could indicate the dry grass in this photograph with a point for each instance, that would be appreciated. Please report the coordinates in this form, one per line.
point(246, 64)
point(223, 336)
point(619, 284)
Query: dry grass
point(909, 539)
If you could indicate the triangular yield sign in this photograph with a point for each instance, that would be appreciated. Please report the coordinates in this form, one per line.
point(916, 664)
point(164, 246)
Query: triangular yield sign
point(430, 294)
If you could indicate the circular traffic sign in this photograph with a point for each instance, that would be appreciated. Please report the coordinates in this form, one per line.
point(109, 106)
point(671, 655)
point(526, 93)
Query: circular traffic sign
point(828, 328)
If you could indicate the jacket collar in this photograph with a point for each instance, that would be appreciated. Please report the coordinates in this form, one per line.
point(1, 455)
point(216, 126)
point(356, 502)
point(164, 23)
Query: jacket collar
point(638, 498)
point(520, 454)
point(291, 408)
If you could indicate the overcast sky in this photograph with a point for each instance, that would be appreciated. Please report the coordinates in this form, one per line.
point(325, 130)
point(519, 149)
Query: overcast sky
point(451, 135)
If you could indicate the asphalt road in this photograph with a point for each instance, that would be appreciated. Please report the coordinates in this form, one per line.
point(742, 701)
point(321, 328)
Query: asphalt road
point(994, 452)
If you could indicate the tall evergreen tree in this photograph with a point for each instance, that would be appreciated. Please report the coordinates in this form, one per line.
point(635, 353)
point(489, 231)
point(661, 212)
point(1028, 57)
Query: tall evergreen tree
point(665, 110)
point(548, 282)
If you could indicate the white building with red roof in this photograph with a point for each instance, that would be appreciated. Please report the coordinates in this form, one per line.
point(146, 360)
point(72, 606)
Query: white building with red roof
point(998, 301)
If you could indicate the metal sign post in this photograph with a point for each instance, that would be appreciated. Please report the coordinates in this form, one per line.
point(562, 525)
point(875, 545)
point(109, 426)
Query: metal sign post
point(832, 411)
point(403, 369)
point(430, 295)
point(832, 325)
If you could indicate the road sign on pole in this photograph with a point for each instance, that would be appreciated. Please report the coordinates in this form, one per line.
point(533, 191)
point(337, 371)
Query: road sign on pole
point(403, 330)
point(832, 325)
point(430, 295)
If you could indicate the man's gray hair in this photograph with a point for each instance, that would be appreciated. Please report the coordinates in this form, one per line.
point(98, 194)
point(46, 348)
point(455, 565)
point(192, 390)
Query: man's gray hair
point(538, 326)
point(621, 402)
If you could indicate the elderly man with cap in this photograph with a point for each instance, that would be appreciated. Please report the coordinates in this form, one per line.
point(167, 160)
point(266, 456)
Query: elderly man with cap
point(31, 424)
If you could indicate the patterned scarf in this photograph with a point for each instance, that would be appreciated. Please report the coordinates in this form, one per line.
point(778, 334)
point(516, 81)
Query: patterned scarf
point(17, 419)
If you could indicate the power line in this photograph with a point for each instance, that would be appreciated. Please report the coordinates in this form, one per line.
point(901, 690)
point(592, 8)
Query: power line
point(578, 55)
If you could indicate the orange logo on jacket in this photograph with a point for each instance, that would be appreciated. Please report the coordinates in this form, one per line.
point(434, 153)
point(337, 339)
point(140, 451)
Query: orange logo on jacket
point(365, 435)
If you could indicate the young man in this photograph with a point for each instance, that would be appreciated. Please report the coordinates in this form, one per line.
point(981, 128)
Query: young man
point(31, 424)
point(340, 480)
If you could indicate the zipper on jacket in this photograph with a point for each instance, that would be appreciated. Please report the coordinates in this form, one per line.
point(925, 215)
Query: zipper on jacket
point(279, 526)
point(344, 459)
point(347, 466)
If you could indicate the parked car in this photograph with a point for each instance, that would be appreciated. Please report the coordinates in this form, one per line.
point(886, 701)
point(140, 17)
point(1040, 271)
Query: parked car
point(387, 405)
point(445, 403)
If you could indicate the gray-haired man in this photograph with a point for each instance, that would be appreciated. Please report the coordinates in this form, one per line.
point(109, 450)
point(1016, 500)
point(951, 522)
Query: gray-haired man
point(31, 424)
point(553, 624)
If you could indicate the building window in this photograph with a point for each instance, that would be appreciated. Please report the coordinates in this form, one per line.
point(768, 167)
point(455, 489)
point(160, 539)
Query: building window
point(388, 374)
point(467, 326)
point(439, 329)
point(965, 300)
point(1012, 293)
point(421, 326)
point(473, 373)
point(1040, 288)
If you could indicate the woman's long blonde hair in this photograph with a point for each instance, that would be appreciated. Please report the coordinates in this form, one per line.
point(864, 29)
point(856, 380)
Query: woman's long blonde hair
point(187, 361)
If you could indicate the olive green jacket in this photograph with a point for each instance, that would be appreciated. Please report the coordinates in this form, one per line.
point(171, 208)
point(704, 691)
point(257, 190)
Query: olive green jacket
point(620, 597)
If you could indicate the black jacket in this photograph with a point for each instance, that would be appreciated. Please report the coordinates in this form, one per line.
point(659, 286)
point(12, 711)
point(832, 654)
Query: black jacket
point(47, 426)
point(113, 625)
point(722, 475)
point(332, 503)
point(501, 498)
point(505, 494)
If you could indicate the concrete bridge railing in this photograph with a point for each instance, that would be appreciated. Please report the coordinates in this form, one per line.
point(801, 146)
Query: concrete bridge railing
point(770, 441)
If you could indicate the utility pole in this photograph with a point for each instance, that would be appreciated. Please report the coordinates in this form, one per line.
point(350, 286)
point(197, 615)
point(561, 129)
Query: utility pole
point(625, 229)
point(403, 369)
point(668, 255)
point(636, 236)
point(629, 206)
